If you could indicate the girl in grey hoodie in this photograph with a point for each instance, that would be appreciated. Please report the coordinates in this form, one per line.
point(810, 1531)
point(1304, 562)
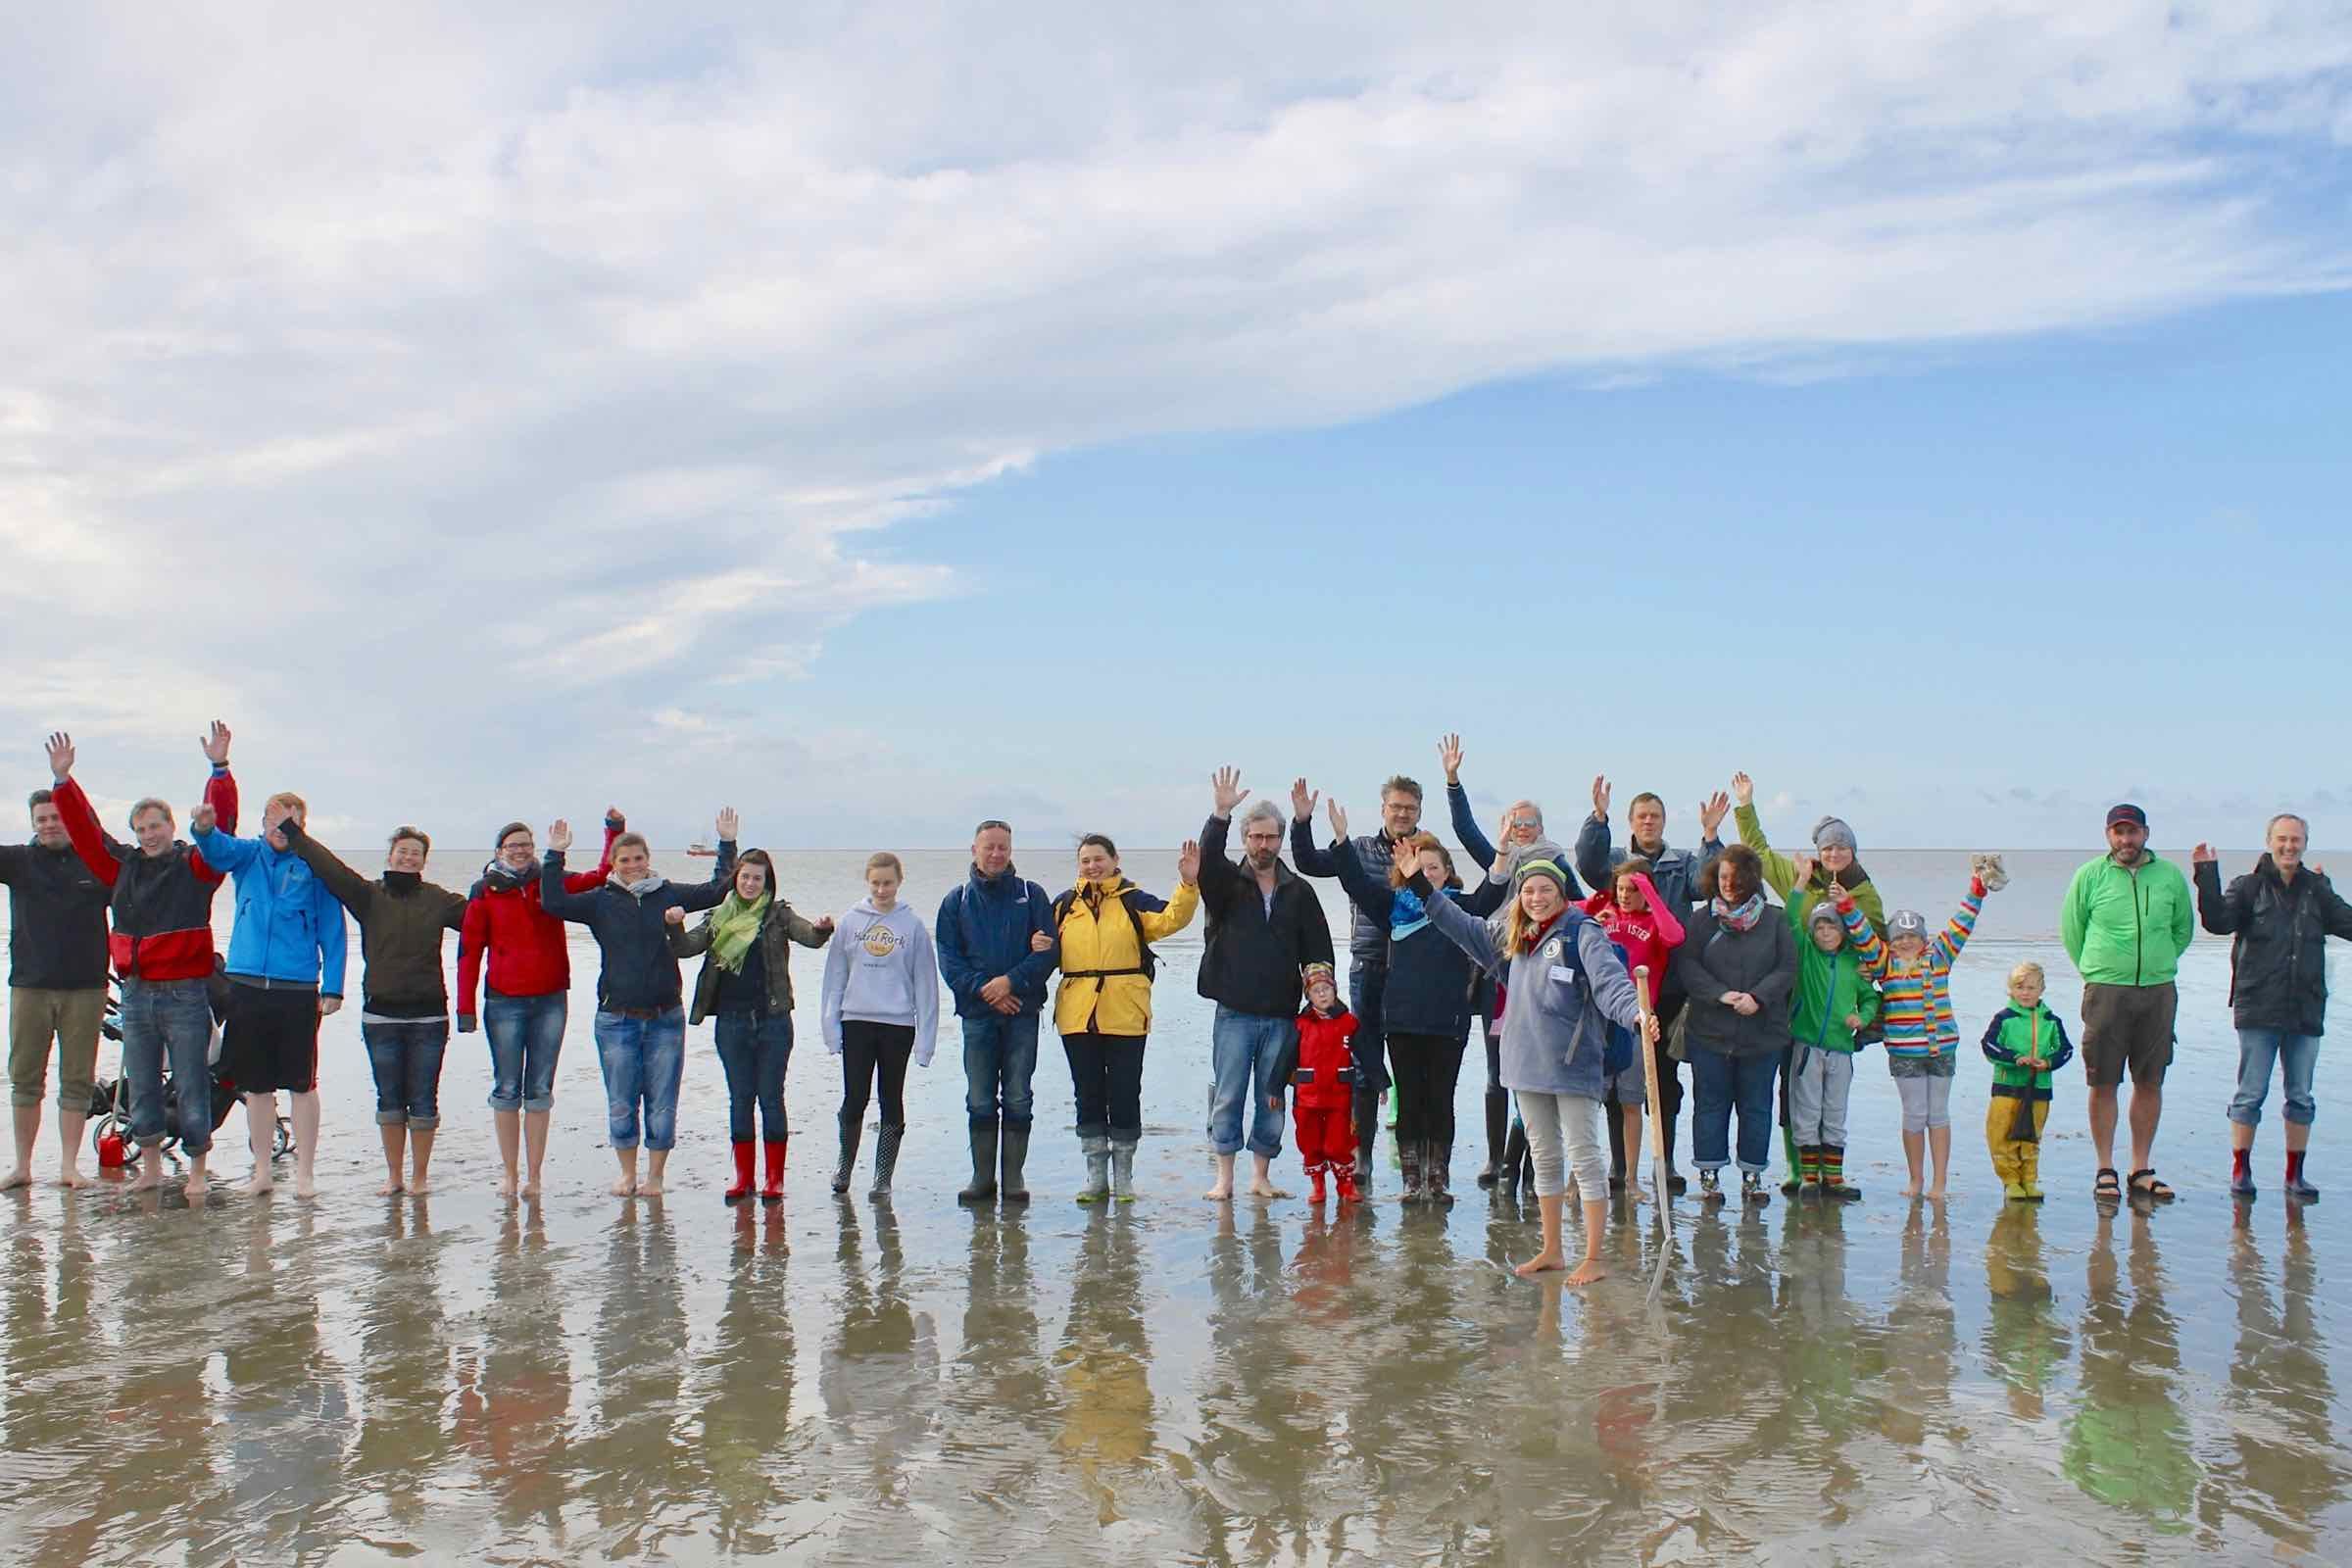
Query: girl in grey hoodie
point(880, 1007)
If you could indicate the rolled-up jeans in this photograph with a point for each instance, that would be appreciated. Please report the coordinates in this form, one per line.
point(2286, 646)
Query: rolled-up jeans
point(2258, 1050)
point(168, 1020)
point(1245, 1049)
point(643, 1058)
point(1724, 1084)
point(404, 1054)
point(526, 1037)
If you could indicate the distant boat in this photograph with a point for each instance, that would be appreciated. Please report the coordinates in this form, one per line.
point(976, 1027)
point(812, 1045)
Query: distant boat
point(704, 850)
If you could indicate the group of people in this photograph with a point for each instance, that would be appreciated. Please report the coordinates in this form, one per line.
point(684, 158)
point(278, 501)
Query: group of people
point(1585, 1000)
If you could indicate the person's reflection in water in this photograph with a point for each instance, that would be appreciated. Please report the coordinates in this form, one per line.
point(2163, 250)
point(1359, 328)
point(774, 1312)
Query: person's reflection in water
point(1000, 1392)
point(161, 1491)
point(2025, 1342)
point(747, 1379)
point(880, 1375)
point(287, 1403)
point(53, 1366)
point(1103, 1365)
point(403, 1373)
point(2290, 1462)
point(1820, 1336)
point(513, 1407)
point(644, 1476)
point(2127, 1443)
point(1258, 1434)
point(1922, 1336)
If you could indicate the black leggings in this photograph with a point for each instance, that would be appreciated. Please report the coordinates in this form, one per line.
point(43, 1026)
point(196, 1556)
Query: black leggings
point(871, 1052)
point(1426, 1068)
point(1106, 1079)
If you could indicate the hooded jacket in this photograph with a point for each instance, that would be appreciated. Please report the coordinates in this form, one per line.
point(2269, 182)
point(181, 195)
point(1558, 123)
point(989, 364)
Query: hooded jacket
point(1714, 959)
point(779, 928)
point(880, 968)
point(1096, 946)
point(1426, 990)
point(640, 973)
point(290, 928)
point(2127, 927)
point(2277, 954)
point(1254, 950)
point(163, 903)
point(1552, 1042)
point(525, 945)
point(401, 919)
point(1649, 937)
point(2016, 1032)
point(983, 931)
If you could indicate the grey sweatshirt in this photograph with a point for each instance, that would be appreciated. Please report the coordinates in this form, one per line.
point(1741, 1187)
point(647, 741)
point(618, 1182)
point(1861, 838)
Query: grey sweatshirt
point(880, 968)
point(1550, 1044)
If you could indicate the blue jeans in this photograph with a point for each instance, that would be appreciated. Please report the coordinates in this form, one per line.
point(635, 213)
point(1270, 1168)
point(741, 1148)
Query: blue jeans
point(168, 1020)
point(1721, 1083)
point(643, 1059)
point(1000, 1058)
point(755, 1049)
point(405, 1056)
point(1244, 1050)
point(526, 1036)
point(2257, 1051)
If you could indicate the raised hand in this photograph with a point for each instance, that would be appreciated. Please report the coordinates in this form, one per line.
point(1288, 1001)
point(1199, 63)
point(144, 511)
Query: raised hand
point(1226, 783)
point(1449, 756)
point(216, 743)
point(2202, 855)
point(825, 925)
point(673, 915)
point(1303, 801)
point(1188, 864)
point(1802, 865)
point(728, 822)
point(201, 819)
point(1600, 799)
point(1711, 813)
point(61, 757)
point(558, 835)
point(1743, 788)
point(1407, 857)
point(1338, 816)
point(613, 819)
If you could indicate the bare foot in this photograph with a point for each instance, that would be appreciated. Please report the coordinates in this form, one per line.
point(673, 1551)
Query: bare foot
point(627, 1186)
point(1541, 1264)
point(506, 1184)
point(1222, 1193)
point(1911, 1191)
point(150, 1176)
point(304, 1185)
point(1586, 1272)
point(260, 1187)
point(196, 1187)
point(387, 1188)
point(19, 1177)
point(1266, 1188)
point(72, 1176)
point(418, 1186)
point(530, 1188)
point(651, 1186)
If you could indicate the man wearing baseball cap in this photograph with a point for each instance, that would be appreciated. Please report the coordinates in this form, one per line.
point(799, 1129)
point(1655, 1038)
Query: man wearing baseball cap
point(2127, 920)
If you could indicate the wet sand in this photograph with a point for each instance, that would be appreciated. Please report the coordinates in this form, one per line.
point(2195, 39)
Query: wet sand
point(360, 1380)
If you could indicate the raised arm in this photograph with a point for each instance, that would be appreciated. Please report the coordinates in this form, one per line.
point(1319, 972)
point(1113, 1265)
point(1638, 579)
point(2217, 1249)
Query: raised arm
point(335, 944)
point(1217, 873)
point(224, 853)
point(1869, 946)
point(1305, 858)
point(804, 931)
point(102, 853)
point(1593, 850)
point(2221, 914)
point(1670, 927)
point(1160, 924)
point(1463, 929)
point(1955, 933)
point(557, 895)
point(351, 889)
point(1356, 879)
point(1475, 843)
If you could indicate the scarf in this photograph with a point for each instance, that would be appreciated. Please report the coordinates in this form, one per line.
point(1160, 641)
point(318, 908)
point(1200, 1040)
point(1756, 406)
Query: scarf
point(505, 878)
point(1407, 913)
point(637, 890)
point(735, 926)
point(1741, 917)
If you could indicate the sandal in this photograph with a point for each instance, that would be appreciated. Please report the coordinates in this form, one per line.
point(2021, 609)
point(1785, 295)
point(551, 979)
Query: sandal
point(2108, 1186)
point(2154, 1191)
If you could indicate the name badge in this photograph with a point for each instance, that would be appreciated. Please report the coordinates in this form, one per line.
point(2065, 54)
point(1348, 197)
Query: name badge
point(1563, 974)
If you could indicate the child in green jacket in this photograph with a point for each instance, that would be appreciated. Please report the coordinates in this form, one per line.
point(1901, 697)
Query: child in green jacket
point(2026, 1042)
point(1834, 1003)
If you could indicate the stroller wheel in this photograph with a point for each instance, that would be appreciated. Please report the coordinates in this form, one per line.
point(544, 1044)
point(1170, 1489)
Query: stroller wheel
point(283, 1144)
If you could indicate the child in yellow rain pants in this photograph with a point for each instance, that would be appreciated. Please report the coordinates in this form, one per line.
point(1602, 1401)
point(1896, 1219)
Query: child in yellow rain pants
point(2026, 1042)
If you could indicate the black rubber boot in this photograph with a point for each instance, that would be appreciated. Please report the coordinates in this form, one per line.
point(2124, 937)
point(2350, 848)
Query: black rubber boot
point(1014, 1188)
point(1366, 1106)
point(1498, 1116)
point(850, 1132)
point(1614, 1114)
point(984, 1164)
point(1675, 1185)
point(1514, 1160)
point(1408, 1156)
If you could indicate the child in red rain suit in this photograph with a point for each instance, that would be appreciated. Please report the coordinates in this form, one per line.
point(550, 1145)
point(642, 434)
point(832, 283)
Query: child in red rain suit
point(1323, 1107)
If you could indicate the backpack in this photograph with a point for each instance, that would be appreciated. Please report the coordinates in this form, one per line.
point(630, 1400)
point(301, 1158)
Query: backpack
point(1617, 1043)
point(1147, 961)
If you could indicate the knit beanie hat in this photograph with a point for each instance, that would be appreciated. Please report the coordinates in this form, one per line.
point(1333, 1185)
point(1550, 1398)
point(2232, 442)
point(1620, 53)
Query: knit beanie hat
point(1832, 831)
point(1548, 868)
point(1318, 971)
point(1826, 913)
point(1907, 923)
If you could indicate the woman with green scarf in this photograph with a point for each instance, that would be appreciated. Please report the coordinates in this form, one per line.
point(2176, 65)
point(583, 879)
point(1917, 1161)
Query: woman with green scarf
point(745, 983)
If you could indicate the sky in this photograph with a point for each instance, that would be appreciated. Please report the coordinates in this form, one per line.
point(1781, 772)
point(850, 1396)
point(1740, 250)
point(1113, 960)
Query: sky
point(877, 419)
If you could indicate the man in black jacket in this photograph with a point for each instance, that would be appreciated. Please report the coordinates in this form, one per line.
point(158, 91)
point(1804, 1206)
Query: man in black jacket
point(1264, 924)
point(57, 959)
point(2282, 914)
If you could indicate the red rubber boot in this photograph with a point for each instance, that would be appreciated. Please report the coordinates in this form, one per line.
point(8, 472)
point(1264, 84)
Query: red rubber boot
point(743, 1174)
point(771, 1191)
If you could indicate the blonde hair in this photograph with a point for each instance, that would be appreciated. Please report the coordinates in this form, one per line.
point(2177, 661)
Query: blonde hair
point(290, 800)
point(2027, 968)
point(883, 858)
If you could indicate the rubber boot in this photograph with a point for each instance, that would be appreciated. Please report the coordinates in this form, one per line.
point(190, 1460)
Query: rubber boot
point(1123, 1172)
point(1613, 1113)
point(1366, 1109)
point(852, 1130)
point(1347, 1176)
point(771, 1191)
point(984, 1164)
point(1514, 1158)
point(1314, 1184)
point(886, 1157)
point(1409, 1157)
point(1498, 1113)
point(743, 1174)
point(1098, 1170)
point(1015, 1188)
point(1436, 1170)
point(1676, 1185)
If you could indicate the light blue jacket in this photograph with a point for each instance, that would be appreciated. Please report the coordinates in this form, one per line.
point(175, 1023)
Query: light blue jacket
point(1551, 1044)
point(289, 927)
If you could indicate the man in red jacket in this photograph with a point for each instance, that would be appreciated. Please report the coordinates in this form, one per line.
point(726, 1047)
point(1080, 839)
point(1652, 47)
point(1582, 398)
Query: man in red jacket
point(161, 946)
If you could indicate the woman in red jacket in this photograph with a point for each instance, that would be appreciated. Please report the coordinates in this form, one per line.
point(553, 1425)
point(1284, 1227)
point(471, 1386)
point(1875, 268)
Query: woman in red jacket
point(530, 977)
point(1643, 924)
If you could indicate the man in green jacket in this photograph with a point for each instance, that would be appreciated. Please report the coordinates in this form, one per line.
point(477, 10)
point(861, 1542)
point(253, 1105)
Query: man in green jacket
point(2127, 920)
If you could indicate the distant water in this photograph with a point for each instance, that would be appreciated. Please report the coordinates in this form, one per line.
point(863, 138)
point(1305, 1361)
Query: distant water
point(356, 1381)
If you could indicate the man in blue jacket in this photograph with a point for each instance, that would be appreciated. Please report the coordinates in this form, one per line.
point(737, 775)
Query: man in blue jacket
point(998, 978)
point(285, 972)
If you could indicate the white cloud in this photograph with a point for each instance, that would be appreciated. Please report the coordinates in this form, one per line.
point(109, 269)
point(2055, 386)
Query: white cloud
point(502, 377)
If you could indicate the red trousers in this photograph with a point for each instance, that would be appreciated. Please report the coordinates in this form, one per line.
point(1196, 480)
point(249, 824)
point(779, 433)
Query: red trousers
point(1326, 1133)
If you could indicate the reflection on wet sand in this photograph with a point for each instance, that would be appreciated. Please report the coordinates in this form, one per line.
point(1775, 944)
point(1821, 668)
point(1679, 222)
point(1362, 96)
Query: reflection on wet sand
point(1100, 1367)
point(2126, 1442)
point(2287, 1469)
